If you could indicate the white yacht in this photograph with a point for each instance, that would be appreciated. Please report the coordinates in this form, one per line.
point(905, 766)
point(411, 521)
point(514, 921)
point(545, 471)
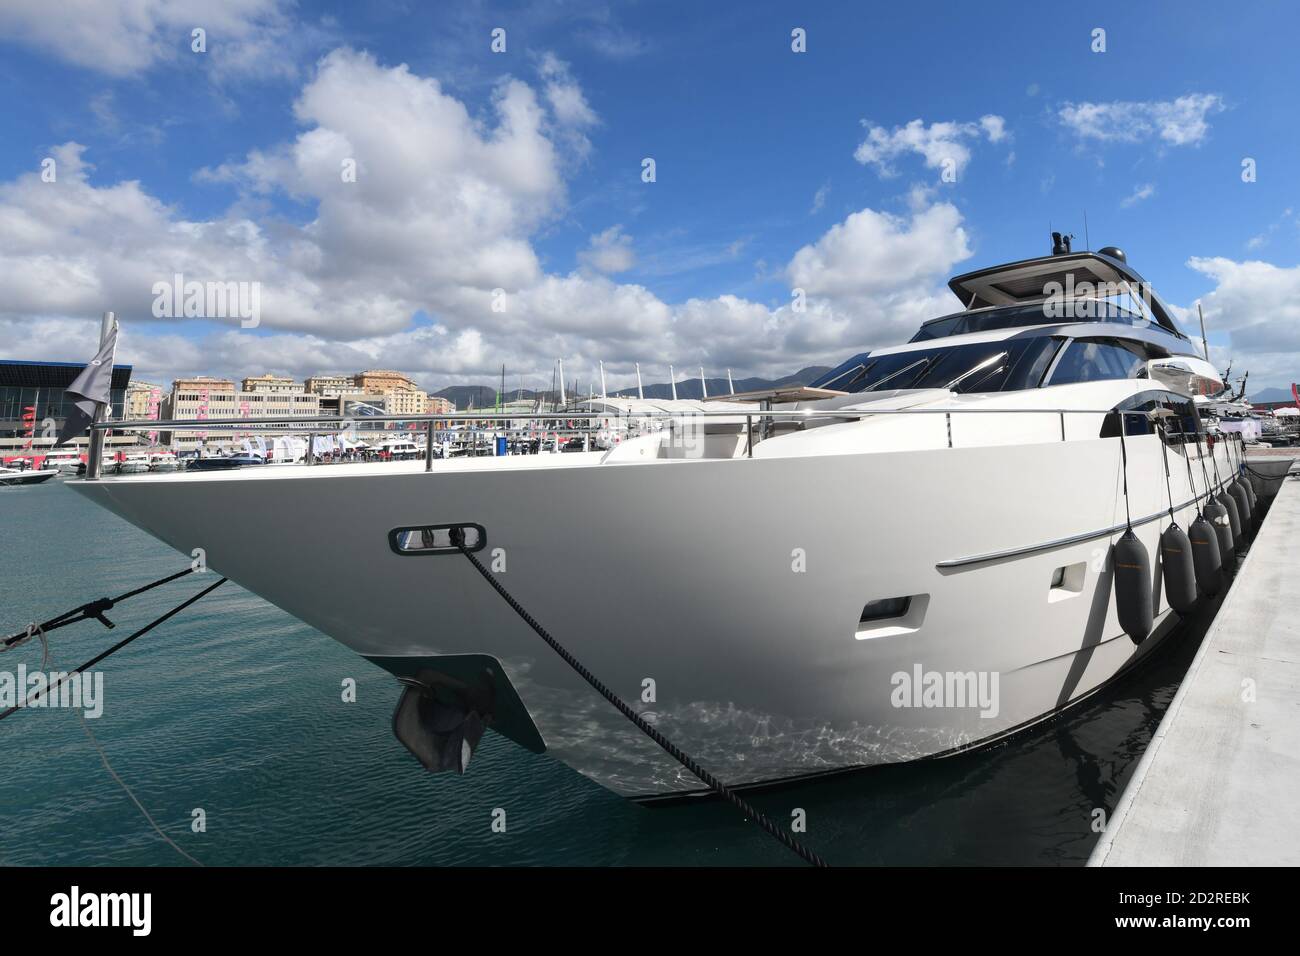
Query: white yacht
point(65, 461)
point(133, 463)
point(912, 558)
point(163, 461)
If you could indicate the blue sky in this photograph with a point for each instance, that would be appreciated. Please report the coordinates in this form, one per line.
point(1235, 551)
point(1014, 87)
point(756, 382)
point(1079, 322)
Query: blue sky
point(774, 170)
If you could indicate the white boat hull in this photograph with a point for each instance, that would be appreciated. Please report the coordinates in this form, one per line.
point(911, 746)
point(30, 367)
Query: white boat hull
point(757, 663)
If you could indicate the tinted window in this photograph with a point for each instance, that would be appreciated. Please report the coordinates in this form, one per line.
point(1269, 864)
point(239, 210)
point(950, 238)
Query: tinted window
point(974, 367)
point(1095, 360)
point(1176, 412)
point(1014, 317)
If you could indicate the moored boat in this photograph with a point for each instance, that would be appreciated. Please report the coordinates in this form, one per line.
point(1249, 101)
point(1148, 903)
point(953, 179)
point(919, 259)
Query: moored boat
point(908, 557)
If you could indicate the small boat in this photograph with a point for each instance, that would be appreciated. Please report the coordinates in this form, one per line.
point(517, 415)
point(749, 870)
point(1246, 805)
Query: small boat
point(64, 461)
point(133, 463)
point(401, 449)
point(225, 462)
point(163, 461)
point(25, 476)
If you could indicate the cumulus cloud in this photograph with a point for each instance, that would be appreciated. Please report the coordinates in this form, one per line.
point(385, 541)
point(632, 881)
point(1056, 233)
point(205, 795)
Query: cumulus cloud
point(938, 144)
point(885, 271)
point(1180, 122)
point(1256, 303)
point(609, 251)
point(123, 37)
point(439, 221)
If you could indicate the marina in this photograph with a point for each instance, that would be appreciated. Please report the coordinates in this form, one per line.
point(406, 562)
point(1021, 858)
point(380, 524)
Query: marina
point(1213, 785)
point(506, 456)
point(1104, 400)
point(195, 716)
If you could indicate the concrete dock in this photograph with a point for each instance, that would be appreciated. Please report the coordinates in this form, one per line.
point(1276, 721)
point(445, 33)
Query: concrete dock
point(1218, 784)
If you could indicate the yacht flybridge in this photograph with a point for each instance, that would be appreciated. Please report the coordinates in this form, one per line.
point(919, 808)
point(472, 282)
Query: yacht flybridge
point(909, 557)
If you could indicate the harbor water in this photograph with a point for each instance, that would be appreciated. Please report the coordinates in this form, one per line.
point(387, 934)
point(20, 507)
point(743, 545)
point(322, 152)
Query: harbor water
point(233, 713)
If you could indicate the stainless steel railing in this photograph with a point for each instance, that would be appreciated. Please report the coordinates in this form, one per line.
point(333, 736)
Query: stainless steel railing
point(312, 425)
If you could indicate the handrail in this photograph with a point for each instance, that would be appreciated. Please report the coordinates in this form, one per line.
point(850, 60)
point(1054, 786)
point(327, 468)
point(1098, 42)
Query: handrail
point(312, 423)
point(740, 412)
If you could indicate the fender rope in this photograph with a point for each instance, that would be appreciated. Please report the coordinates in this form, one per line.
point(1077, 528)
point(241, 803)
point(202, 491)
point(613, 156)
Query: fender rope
point(714, 784)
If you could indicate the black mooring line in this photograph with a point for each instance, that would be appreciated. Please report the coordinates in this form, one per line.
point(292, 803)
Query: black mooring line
point(95, 609)
point(27, 702)
point(672, 749)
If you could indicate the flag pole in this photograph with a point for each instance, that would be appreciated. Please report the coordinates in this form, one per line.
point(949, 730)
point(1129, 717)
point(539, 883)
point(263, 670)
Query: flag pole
point(1205, 345)
point(95, 456)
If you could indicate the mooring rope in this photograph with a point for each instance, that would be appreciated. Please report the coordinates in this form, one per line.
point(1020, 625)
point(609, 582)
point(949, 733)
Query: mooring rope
point(96, 609)
point(122, 783)
point(51, 687)
point(714, 784)
point(85, 612)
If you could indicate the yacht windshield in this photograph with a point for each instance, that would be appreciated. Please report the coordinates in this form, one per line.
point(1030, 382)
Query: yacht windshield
point(1019, 316)
point(974, 367)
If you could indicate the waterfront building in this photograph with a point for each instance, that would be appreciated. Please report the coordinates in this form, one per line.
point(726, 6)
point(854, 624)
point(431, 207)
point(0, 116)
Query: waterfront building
point(32, 403)
point(271, 383)
point(329, 386)
point(205, 397)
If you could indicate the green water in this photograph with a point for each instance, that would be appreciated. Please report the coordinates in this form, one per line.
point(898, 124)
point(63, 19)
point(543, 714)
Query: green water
point(236, 708)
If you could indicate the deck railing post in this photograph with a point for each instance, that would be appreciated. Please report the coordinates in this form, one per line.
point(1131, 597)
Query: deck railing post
point(428, 447)
point(749, 436)
point(310, 458)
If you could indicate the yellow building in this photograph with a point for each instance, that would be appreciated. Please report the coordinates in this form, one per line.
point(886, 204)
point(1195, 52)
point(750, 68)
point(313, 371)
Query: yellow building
point(143, 400)
point(382, 380)
point(204, 397)
point(271, 383)
point(330, 386)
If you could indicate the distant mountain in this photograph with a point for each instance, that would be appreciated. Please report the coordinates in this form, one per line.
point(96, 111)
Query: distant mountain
point(485, 396)
point(690, 387)
point(1272, 395)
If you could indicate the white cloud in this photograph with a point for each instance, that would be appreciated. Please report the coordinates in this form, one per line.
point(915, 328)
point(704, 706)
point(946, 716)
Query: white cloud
point(819, 198)
point(609, 251)
point(564, 94)
point(1257, 304)
point(124, 37)
point(445, 209)
point(1180, 122)
point(1145, 191)
point(938, 144)
point(884, 271)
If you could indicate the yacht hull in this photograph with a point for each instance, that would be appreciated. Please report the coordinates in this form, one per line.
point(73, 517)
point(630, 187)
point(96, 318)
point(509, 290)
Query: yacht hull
point(722, 596)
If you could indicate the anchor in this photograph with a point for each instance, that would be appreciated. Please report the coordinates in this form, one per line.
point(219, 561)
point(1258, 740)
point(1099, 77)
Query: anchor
point(440, 719)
